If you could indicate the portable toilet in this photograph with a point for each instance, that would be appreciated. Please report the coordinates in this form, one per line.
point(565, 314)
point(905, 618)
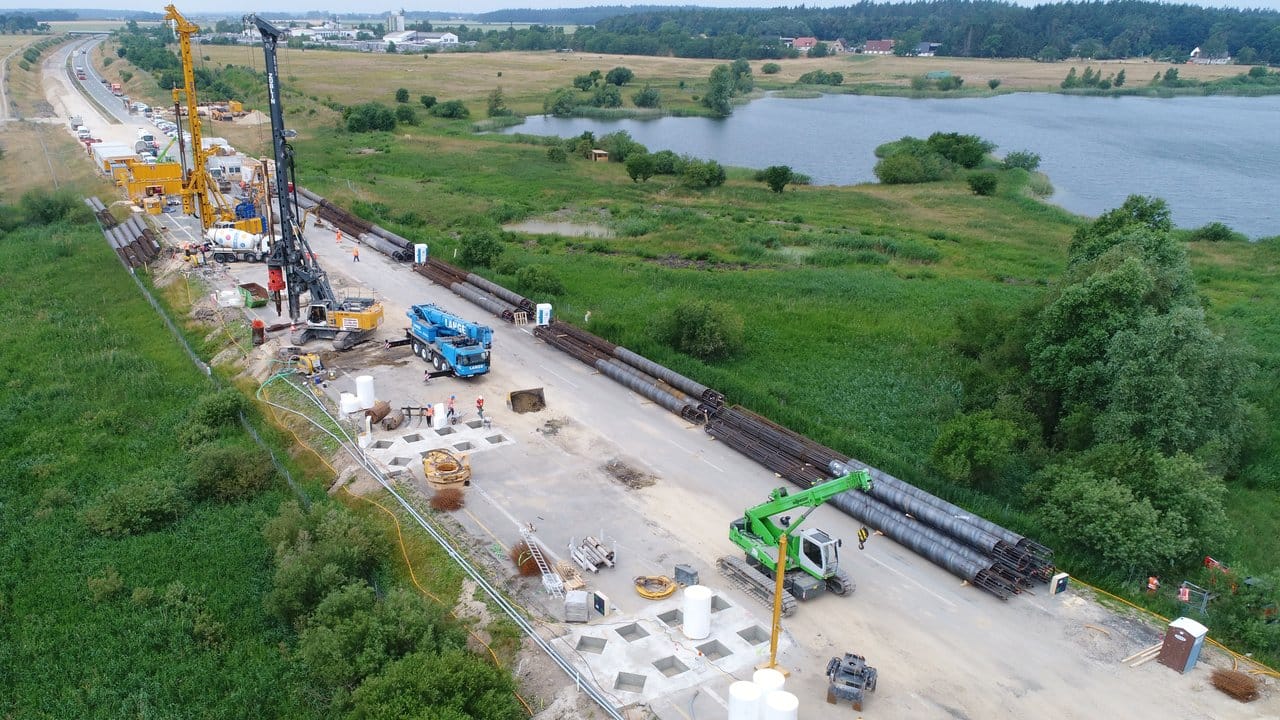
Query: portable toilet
point(1182, 644)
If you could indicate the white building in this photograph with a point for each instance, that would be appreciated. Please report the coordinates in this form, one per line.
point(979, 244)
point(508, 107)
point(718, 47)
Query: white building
point(395, 21)
point(444, 39)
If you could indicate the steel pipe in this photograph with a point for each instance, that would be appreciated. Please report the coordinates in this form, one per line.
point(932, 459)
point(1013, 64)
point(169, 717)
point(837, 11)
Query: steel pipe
point(634, 382)
point(671, 377)
point(488, 302)
point(494, 288)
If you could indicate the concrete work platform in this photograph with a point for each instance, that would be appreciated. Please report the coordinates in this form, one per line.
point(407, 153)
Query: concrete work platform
point(643, 656)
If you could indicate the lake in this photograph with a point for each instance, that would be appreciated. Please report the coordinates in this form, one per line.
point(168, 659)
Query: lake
point(1211, 158)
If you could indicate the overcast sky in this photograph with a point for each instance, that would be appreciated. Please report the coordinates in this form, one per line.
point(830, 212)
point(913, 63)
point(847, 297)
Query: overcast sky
point(193, 7)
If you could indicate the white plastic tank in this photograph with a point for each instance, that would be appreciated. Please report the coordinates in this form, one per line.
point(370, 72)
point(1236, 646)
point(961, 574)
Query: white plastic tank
point(348, 403)
point(364, 391)
point(780, 705)
point(420, 253)
point(768, 680)
point(697, 612)
point(542, 314)
point(438, 420)
point(744, 701)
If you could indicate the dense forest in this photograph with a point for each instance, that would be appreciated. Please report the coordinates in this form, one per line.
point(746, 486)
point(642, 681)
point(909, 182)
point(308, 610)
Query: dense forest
point(1127, 28)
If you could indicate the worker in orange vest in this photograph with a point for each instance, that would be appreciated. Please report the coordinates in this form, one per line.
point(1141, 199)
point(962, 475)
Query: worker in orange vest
point(355, 254)
point(1153, 584)
point(339, 236)
point(480, 406)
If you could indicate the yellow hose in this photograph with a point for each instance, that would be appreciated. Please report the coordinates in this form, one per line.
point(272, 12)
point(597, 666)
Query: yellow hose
point(655, 587)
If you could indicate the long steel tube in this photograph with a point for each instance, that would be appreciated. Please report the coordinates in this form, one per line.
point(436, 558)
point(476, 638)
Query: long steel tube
point(494, 288)
point(671, 377)
point(484, 300)
point(636, 383)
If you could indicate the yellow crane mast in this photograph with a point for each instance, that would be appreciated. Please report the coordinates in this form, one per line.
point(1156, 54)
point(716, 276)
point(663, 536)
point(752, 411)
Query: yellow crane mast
point(199, 193)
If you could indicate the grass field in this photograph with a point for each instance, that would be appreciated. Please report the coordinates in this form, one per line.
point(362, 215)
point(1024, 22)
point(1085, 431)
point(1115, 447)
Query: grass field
point(42, 155)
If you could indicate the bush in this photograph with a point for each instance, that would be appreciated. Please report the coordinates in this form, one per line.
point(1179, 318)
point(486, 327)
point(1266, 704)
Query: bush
point(621, 146)
point(402, 95)
point(1024, 159)
point(993, 83)
point(982, 183)
point(230, 472)
point(480, 250)
point(452, 109)
point(619, 76)
point(901, 168)
point(136, 507)
point(974, 449)
point(821, 77)
point(708, 331)
point(703, 173)
point(105, 586)
point(428, 101)
point(406, 115)
point(369, 117)
point(640, 166)
point(560, 103)
point(125, 76)
point(1215, 232)
point(666, 162)
point(538, 280)
point(556, 153)
point(963, 150)
point(771, 68)
point(42, 207)
point(776, 177)
point(648, 97)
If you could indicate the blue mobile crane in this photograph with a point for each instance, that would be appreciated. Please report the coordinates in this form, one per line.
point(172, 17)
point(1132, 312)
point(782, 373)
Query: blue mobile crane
point(452, 345)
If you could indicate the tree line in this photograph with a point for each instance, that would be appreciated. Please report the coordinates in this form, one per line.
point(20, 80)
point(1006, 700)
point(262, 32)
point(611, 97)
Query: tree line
point(14, 23)
point(986, 28)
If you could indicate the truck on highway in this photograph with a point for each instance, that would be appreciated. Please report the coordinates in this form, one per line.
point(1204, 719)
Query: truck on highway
point(451, 344)
point(80, 73)
point(116, 89)
point(229, 244)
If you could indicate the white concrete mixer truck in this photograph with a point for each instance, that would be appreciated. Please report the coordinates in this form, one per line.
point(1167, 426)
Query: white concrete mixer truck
point(229, 244)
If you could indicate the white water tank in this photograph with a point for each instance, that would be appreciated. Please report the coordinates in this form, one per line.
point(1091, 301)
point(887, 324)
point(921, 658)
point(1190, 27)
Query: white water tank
point(364, 391)
point(438, 419)
point(744, 701)
point(348, 403)
point(780, 705)
point(697, 612)
point(768, 680)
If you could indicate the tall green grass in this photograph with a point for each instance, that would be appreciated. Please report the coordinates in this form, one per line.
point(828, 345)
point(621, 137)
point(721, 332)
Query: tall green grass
point(94, 387)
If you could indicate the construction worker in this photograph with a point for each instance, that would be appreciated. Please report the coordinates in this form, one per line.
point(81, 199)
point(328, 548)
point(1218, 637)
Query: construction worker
point(1153, 584)
point(480, 406)
point(449, 412)
point(355, 254)
point(339, 236)
point(430, 413)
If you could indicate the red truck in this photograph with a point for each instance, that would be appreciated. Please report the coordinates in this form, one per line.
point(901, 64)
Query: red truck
point(116, 90)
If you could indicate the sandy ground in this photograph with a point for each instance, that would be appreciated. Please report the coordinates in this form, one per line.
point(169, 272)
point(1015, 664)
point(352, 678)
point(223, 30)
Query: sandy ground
point(943, 650)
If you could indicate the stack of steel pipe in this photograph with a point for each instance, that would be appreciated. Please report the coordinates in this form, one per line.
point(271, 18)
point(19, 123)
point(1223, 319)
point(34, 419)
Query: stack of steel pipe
point(987, 559)
point(105, 218)
point(1017, 556)
point(567, 338)
point(485, 300)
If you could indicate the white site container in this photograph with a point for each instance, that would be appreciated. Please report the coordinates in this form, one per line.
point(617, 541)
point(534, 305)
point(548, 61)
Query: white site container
point(744, 700)
point(781, 705)
point(364, 391)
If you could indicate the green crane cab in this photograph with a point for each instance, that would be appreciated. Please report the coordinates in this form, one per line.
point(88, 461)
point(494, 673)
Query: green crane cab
point(812, 563)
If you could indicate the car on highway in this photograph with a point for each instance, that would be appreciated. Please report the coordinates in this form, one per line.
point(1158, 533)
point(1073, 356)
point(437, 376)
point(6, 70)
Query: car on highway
point(83, 133)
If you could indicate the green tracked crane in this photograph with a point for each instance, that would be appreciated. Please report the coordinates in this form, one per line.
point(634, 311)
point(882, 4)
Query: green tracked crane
point(812, 555)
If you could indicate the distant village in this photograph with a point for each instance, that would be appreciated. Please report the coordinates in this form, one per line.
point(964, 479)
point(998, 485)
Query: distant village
point(395, 36)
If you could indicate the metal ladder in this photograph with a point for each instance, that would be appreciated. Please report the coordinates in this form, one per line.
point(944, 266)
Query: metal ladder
point(550, 580)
